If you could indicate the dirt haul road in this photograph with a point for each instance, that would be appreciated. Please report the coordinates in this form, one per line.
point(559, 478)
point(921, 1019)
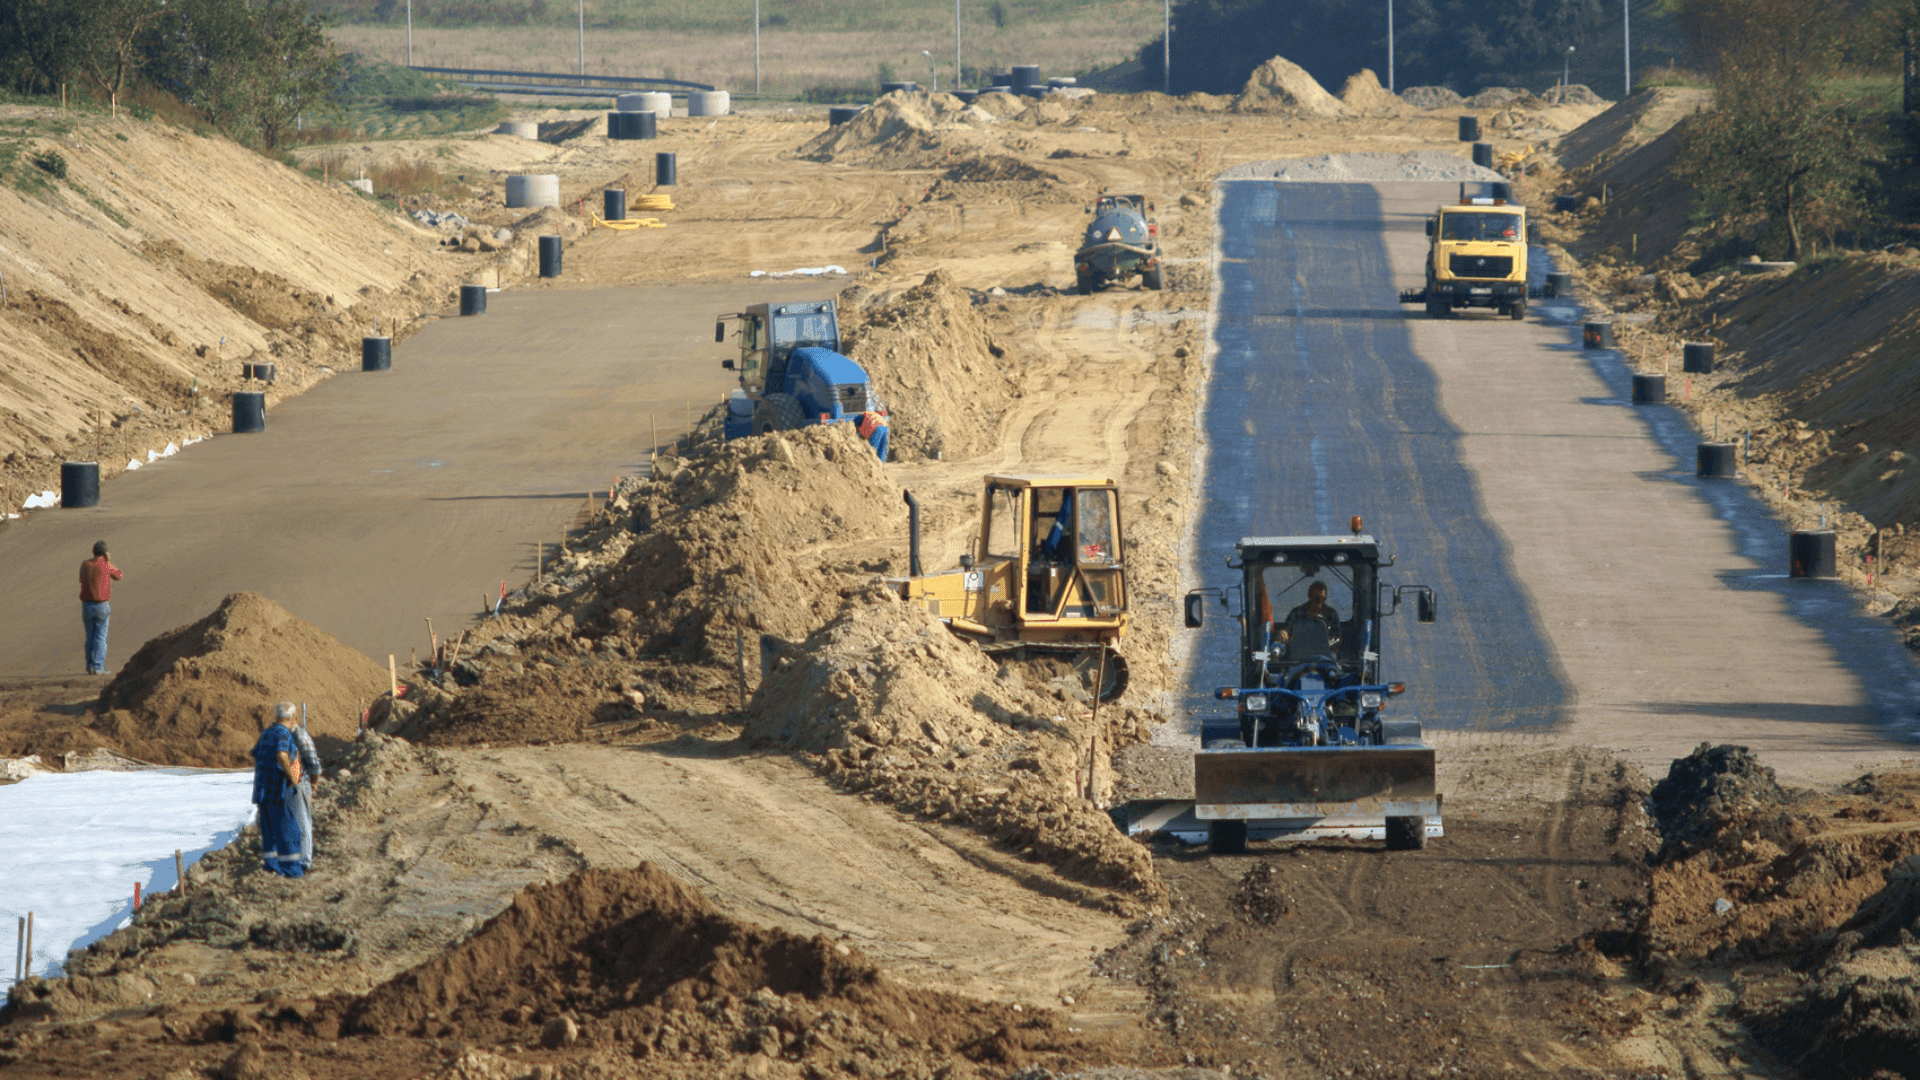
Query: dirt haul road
point(1267, 964)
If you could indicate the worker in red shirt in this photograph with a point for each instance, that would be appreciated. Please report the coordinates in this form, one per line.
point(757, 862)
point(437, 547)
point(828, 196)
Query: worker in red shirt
point(97, 576)
point(873, 428)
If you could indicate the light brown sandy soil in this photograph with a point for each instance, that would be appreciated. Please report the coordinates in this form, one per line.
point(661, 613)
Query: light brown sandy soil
point(951, 843)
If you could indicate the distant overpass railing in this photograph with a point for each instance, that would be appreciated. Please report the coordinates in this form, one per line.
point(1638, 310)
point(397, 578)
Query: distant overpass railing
point(546, 82)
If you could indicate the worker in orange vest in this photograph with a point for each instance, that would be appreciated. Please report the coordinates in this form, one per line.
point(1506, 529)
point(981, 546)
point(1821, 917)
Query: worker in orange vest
point(873, 428)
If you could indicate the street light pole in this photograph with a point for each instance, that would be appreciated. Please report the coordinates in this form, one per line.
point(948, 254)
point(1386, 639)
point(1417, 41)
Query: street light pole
point(933, 73)
point(1566, 77)
point(1626, 42)
point(956, 44)
point(409, 33)
point(583, 41)
point(1166, 46)
point(1389, 46)
point(756, 46)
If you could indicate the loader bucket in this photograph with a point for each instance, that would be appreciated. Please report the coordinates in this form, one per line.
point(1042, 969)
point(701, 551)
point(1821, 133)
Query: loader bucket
point(1311, 782)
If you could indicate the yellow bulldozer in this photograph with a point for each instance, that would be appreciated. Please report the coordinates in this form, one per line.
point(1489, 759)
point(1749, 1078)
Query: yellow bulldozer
point(1043, 581)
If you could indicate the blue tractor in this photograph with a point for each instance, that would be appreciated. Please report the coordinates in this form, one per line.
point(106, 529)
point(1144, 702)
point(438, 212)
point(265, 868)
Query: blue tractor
point(791, 370)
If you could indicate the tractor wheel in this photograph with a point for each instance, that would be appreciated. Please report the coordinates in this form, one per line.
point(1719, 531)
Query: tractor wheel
point(1518, 311)
point(1154, 278)
point(1227, 837)
point(1406, 833)
point(776, 412)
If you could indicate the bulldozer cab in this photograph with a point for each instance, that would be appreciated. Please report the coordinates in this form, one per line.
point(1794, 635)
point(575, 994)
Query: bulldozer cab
point(1060, 538)
point(769, 333)
point(1309, 602)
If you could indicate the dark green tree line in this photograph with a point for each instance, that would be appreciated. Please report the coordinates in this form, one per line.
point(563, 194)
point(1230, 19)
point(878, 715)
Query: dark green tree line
point(1462, 44)
point(251, 66)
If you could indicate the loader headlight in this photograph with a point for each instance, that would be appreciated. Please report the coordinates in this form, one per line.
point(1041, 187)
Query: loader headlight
point(1370, 700)
point(1254, 703)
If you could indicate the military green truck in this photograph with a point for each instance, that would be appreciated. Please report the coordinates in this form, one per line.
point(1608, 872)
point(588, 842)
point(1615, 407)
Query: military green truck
point(1476, 257)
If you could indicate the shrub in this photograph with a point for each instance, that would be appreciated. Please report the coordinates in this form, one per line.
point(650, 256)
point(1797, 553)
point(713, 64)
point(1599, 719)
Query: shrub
point(52, 163)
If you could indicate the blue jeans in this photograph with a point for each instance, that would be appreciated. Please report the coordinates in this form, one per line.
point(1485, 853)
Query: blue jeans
point(302, 799)
point(94, 617)
point(879, 442)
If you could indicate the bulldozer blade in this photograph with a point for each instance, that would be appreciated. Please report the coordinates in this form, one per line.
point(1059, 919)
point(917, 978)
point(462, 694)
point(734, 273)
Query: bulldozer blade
point(1314, 782)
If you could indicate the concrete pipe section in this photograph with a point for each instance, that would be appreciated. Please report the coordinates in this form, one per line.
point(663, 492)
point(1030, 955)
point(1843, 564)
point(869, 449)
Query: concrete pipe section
point(708, 103)
point(1587, 578)
point(533, 190)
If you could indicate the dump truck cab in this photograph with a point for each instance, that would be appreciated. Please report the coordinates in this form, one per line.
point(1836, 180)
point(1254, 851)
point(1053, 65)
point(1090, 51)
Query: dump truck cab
point(1477, 257)
point(1044, 576)
point(791, 370)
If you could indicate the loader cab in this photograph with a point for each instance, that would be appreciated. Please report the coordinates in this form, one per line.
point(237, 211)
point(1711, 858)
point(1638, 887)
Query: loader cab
point(1281, 582)
point(769, 333)
point(1057, 543)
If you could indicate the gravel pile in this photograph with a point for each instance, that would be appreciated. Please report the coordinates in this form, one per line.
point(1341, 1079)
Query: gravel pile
point(1421, 165)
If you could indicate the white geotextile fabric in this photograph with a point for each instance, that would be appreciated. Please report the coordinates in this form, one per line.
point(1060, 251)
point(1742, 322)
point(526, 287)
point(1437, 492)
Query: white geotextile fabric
point(73, 844)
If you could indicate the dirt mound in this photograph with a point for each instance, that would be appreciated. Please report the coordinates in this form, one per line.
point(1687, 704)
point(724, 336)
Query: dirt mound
point(1363, 93)
point(200, 694)
point(535, 708)
point(633, 960)
point(1706, 791)
point(1633, 122)
point(1503, 97)
point(1431, 97)
point(900, 129)
point(891, 703)
point(989, 168)
point(1280, 84)
point(944, 379)
point(1575, 94)
point(745, 537)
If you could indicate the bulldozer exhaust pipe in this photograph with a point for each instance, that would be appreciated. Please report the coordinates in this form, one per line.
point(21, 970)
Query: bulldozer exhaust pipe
point(913, 534)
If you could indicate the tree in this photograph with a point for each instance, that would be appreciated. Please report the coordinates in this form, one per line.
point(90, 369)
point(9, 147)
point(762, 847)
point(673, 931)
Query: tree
point(253, 69)
point(109, 42)
point(1774, 149)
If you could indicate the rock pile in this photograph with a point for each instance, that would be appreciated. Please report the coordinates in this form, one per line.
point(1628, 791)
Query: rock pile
point(1282, 85)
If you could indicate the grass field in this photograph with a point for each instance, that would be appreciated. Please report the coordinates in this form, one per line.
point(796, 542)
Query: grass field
point(794, 58)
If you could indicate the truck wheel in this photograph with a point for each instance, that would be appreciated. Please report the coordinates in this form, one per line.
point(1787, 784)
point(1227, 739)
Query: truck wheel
point(1406, 833)
point(1518, 311)
point(776, 412)
point(1227, 837)
point(1438, 309)
point(1154, 279)
point(1084, 283)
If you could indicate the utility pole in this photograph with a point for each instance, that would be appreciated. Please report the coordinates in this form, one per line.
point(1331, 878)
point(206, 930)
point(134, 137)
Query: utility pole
point(1389, 46)
point(583, 41)
point(956, 44)
point(1626, 42)
point(1166, 46)
point(756, 46)
point(409, 33)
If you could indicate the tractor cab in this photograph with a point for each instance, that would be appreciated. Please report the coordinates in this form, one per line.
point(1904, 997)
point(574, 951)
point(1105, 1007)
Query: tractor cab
point(769, 334)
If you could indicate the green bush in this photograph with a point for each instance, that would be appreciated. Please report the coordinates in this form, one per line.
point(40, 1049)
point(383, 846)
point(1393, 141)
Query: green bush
point(52, 164)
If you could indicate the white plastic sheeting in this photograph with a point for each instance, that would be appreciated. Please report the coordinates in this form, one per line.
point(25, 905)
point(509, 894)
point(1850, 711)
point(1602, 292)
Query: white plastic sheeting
point(72, 845)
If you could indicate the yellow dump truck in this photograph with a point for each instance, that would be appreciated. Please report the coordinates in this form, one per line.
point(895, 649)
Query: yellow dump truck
point(1476, 257)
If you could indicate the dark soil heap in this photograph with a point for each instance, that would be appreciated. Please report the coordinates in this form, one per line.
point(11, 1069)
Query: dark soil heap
point(200, 694)
point(632, 960)
point(1707, 790)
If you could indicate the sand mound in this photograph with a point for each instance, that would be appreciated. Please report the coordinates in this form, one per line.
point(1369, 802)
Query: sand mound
point(891, 703)
point(902, 128)
point(1363, 93)
point(200, 694)
point(737, 539)
point(1282, 85)
point(1431, 97)
point(944, 380)
point(633, 960)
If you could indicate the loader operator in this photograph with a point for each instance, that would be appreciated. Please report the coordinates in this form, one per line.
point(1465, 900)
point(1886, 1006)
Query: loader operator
point(1303, 618)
